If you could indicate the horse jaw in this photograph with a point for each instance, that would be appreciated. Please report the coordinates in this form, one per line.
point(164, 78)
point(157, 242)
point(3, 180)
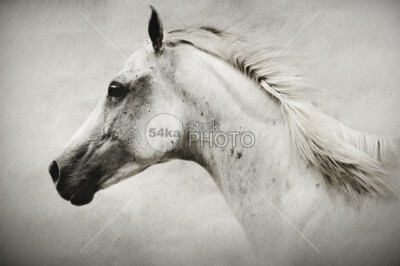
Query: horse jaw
point(129, 170)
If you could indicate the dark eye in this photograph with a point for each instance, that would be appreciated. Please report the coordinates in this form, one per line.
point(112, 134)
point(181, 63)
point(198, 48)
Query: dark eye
point(117, 90)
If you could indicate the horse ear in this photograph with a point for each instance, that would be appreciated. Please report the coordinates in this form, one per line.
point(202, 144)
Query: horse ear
point(156, 31)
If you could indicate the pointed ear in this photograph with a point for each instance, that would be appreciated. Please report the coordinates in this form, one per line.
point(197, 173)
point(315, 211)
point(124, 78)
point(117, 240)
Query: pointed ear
point(156, 31)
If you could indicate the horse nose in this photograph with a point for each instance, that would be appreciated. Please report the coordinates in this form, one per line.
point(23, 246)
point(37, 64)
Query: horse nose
point(54, 171)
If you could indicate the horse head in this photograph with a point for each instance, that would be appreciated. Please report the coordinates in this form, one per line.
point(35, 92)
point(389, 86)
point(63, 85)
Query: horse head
point(111, 144)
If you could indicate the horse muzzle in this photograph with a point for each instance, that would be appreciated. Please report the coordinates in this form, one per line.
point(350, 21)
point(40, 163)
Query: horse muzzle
point(78, 192)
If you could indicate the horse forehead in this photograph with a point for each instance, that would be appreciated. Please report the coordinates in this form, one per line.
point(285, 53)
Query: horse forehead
point(137, 64)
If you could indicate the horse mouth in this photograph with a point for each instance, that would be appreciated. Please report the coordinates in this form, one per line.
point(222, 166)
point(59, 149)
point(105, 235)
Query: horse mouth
point(83, 195)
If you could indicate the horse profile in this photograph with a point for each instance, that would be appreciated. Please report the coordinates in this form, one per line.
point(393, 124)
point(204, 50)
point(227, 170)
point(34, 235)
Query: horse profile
point(324, 181)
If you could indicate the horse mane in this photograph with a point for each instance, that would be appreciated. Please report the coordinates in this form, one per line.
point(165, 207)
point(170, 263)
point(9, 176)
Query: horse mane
point(349, 160)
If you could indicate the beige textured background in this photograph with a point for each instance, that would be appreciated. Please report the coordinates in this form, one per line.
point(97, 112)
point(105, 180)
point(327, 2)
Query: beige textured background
point(53, 68)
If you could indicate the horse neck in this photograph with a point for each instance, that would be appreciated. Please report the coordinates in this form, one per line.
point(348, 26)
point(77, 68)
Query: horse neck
point(245, 176)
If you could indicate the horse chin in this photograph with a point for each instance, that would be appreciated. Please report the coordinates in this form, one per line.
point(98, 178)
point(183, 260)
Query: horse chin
point(84, 195)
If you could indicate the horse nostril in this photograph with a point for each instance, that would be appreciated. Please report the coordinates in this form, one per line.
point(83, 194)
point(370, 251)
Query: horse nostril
point(54, 171)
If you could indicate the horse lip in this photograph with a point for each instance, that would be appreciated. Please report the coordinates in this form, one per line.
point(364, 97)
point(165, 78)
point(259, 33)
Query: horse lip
point(84, 193)
point(79, 201)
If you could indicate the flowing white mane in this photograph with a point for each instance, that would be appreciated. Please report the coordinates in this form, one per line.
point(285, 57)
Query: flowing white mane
point(348, 160)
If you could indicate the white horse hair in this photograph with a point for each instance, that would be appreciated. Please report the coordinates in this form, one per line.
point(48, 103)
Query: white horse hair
point(349, 160)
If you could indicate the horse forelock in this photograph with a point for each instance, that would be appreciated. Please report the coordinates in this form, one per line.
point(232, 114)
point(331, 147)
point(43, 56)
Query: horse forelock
point(349, 161)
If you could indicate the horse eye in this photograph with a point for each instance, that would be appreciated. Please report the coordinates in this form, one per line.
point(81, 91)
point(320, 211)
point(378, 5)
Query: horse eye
point(117, 90)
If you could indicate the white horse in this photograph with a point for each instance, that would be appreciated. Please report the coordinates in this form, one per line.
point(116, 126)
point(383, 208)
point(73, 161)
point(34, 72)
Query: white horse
point(309, 191)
